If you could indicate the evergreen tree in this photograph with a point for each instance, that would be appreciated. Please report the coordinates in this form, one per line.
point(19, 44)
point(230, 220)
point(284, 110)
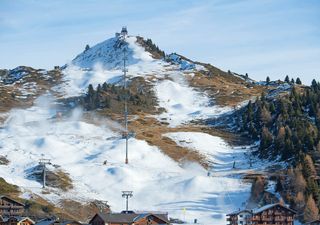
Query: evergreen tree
point(90, 97)
point(266, 141)
point(279, 186)
point(104, 86)
point(299, 182)
point(97, 97)
point(272, 108)
point(257, 188)
point(300, 201)
point(314, 85)
point(268, 80)
point(309, 169)
point(287, 79)
point(87, 48)
point(298, 81)
point(265, 116)
point(311, 211)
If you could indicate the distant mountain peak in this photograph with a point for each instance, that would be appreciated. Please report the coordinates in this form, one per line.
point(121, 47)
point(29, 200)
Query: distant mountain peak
point(110, 53)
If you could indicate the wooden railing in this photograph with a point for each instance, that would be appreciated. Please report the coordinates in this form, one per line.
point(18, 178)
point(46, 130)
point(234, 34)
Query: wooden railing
point(279, 218)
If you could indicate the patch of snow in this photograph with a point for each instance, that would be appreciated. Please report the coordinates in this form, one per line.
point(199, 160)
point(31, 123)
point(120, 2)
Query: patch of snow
point(183, 103)
point(184, 64)
point(232, 192)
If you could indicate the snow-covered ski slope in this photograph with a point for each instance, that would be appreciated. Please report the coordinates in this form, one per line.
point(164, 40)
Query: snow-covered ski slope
point(158, 182)
point(80, 148)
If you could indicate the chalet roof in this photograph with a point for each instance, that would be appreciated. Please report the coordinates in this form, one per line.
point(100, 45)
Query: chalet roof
point(69, 222)
point(54, 220)
point(17, 218)
point(27, 218)
point(128, 217)
point(263, 208)
point(313, 222)
point(239, 211)
point(118, 217)
point(10, 199)
point(162, 217)
point(46, 221)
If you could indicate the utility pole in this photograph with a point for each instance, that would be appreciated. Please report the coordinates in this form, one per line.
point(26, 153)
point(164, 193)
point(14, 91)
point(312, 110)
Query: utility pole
point(43, 163)
point(127, 195)
point(125, 70)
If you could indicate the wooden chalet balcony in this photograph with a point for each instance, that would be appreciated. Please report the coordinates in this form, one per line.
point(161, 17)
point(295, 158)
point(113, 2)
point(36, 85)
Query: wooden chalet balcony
point(279, 218)
point(290, 219)
point(266, 218)
point(255, 218)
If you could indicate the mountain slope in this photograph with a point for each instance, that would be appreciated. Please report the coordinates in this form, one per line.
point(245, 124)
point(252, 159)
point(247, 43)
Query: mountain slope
point(175, 168)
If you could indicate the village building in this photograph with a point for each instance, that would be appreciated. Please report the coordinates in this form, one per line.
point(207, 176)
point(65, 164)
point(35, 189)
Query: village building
point(56, 221)
point(16, 220)
point(239, 217)
point(272, 214)
point(130, 218)
point(315, 222)
point(10, 207)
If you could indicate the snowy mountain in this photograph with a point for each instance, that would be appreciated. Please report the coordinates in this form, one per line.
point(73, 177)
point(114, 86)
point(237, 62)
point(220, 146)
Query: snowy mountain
point(176, 162)
point(109, 53)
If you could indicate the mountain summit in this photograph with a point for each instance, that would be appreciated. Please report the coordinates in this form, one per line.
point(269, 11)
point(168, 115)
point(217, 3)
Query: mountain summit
point(110, 53)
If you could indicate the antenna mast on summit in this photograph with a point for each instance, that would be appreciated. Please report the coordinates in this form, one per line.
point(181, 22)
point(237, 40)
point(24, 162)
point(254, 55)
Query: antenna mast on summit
point(125, 70)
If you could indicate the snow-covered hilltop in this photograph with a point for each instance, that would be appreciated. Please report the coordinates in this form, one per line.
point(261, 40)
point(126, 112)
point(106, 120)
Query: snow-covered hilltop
point(110, 53)
point(174, 163)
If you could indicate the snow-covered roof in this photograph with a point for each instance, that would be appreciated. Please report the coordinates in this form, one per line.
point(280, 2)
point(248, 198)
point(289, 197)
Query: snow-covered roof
point(47, 221)
point(128, 217)
point(239, 211)
point(263, 208)
point(17, 218)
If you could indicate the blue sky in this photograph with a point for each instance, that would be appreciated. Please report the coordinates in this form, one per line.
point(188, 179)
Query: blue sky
point(259, 37)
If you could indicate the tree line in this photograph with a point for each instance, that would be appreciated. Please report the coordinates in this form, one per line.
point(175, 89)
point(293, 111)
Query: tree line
point(111, 96)
point(287, 129)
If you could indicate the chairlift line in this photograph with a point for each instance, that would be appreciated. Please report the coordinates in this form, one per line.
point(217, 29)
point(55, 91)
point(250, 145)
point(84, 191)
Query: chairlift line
point(125, 70)
point(43, 162)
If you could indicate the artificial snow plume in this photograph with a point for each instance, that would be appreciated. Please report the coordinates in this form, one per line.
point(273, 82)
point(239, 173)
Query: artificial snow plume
point(76, 79)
